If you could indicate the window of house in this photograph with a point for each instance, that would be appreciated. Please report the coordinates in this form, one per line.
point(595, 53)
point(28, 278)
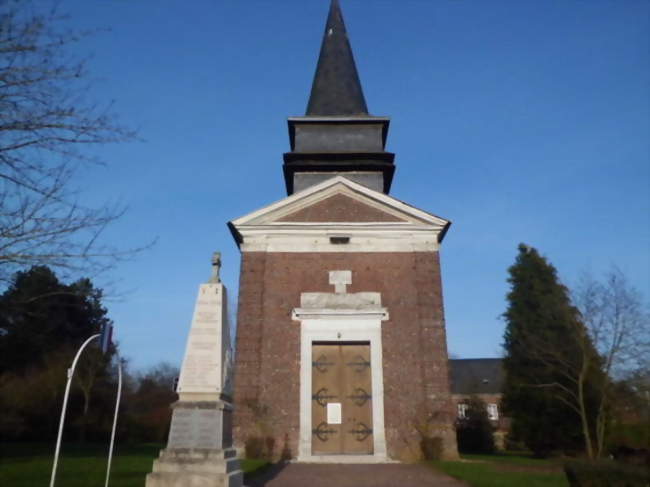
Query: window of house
point(462, 411)
point(493, 412)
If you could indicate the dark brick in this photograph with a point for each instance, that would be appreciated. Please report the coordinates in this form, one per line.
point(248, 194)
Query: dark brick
point(414, 342)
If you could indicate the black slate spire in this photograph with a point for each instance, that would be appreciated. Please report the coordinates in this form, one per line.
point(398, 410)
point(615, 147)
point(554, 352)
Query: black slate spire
point(336, 89)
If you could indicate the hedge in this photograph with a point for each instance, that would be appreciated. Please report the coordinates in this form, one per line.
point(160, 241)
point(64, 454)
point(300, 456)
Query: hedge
point(606, 473)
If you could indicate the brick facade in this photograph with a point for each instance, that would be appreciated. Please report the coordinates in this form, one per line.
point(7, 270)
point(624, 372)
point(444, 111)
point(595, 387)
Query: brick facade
point(415, 368)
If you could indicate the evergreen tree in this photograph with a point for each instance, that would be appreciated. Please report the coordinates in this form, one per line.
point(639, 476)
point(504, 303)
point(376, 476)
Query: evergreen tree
point(547, 390)
point(42, 323)
point(40, 315)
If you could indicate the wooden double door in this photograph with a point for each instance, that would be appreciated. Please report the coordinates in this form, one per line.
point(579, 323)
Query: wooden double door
point(341, 404)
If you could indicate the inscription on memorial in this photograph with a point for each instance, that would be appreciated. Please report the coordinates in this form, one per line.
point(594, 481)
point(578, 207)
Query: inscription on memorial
point(201, 331)
point(196, 345)
point(206, 317)
point(202, 367)
point(195, 428)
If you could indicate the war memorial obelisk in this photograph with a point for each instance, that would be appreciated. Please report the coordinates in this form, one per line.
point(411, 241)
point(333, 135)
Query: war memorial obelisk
point(199, 450)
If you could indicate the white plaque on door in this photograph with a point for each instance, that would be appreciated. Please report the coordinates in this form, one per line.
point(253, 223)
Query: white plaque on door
point(334, 413)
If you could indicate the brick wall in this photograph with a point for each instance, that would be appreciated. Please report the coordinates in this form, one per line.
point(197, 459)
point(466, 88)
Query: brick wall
point(416, 379)
point(340, 208)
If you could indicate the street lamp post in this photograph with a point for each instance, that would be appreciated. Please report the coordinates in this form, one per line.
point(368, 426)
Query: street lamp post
point(105, 338)
point(117, 407)
point(65, 404)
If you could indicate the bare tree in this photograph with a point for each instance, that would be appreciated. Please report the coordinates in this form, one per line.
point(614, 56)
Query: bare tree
point(618, 325)
point(45, 123)
point(612, 334)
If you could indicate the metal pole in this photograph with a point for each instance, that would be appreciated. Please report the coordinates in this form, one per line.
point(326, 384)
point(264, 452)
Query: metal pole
point(65, 403)
point(117, 406)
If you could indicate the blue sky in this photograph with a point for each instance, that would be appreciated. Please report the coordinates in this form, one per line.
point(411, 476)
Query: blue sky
point(520, 121)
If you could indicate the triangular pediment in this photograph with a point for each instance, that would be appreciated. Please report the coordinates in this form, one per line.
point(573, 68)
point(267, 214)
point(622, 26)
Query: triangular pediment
point(340, 201)
point(340, 207)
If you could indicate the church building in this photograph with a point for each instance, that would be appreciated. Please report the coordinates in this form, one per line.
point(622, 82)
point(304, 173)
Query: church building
point(341, 350)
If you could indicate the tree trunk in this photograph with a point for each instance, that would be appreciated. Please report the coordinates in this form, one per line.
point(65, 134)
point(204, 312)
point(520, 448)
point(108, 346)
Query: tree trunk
point(84, 416)
point(583, 412)
point(601, 422)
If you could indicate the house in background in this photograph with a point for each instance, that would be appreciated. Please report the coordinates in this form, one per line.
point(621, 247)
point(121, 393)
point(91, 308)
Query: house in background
point(481, 377)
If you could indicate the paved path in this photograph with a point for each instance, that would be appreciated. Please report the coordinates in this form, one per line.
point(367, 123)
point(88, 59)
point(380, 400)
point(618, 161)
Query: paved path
point(336, 475)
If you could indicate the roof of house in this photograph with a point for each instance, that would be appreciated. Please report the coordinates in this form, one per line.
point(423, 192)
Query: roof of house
point(476, 375)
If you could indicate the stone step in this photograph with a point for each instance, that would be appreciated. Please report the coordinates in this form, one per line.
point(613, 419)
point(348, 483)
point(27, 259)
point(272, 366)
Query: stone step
point(222, 467)
point(194, 479)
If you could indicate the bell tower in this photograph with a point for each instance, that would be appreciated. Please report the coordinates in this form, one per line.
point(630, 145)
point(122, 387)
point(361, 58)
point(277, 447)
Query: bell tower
point(341, 343)
point(337, 136)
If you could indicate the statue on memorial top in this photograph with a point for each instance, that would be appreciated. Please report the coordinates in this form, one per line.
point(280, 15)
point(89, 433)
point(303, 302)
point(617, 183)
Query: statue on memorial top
point(216, 267)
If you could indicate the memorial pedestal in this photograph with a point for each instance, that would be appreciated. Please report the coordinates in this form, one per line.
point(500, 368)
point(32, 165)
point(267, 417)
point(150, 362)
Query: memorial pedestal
point(199, 451)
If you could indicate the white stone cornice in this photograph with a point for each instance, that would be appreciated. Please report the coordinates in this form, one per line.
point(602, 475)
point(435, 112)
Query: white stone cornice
point(302, 242)
point(316, 237)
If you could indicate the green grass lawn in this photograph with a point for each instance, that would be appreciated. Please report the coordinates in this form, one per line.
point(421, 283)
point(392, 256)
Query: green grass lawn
point(30, 465)
point(505, 471)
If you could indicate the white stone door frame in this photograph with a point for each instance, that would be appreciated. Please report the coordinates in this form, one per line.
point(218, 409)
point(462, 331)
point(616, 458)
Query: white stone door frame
point(335, 326)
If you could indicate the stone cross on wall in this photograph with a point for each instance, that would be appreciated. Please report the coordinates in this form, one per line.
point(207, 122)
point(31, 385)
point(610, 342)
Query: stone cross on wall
point(340, 280)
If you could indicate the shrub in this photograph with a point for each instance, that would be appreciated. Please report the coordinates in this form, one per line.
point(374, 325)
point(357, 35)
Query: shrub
point(431, 448)
point(475, 433)
point(270, 447)
point(634, 456)
point(606, 473)
point(630, 435)
point(514, 444)
point(259, 448)
point(285, 454)
point(254, 447)
point(431, 426)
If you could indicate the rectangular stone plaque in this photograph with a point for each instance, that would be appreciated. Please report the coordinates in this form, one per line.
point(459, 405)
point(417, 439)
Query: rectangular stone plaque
point(195, 428)
point(334, 413)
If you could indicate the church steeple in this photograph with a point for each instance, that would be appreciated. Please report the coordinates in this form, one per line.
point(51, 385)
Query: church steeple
point(336, 89)
point(337, 136)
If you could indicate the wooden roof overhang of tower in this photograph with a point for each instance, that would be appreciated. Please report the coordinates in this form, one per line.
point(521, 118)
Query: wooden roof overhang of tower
point(406, 227)
point(337, 135)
